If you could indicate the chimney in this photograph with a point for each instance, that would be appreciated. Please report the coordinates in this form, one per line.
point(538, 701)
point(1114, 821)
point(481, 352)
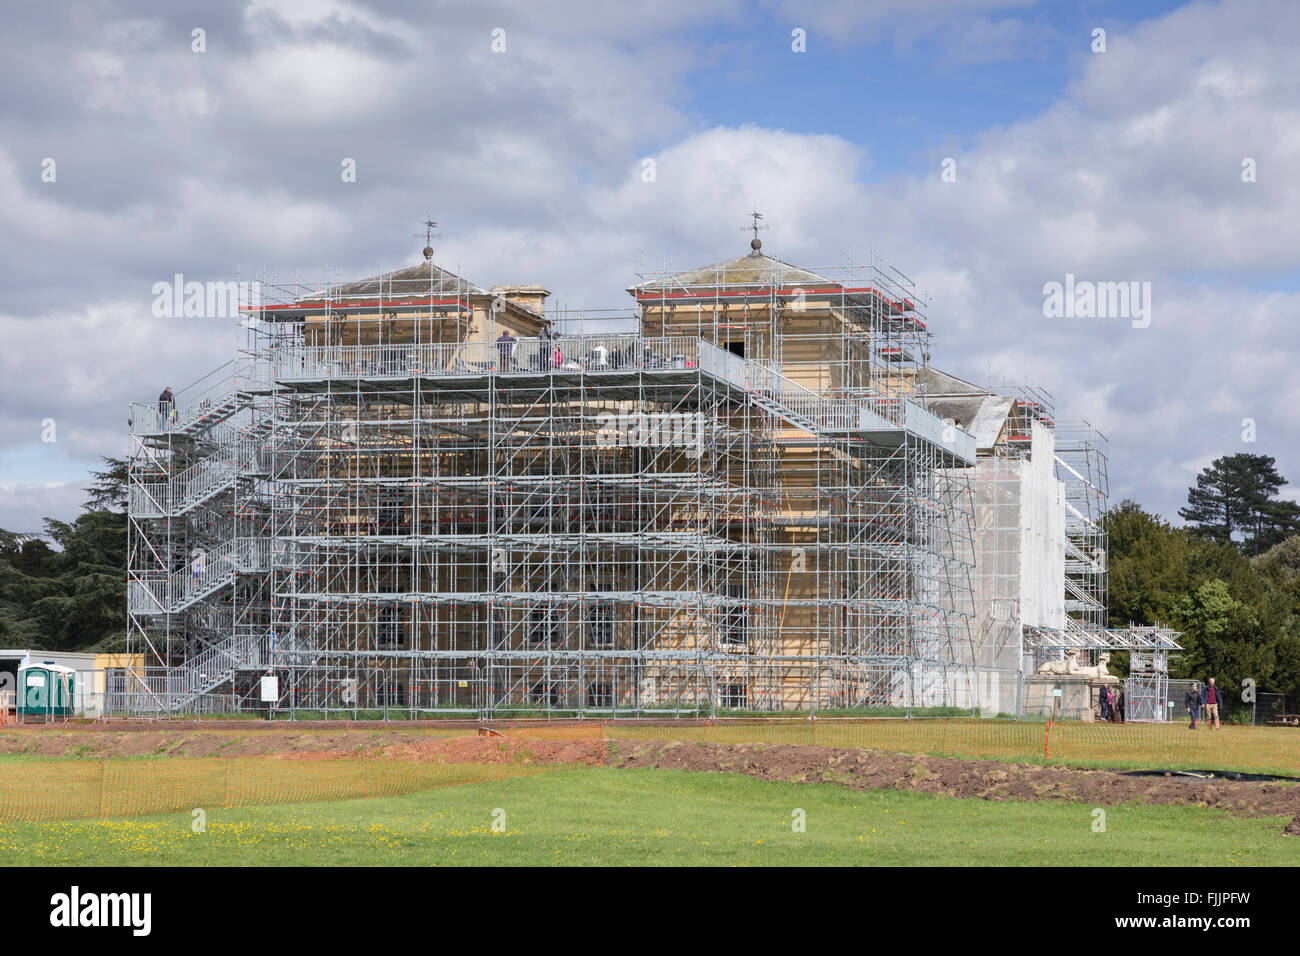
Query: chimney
point(529, 296)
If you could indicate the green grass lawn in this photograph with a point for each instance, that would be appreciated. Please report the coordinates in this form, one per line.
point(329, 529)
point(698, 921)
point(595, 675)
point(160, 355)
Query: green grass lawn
point(655, 817)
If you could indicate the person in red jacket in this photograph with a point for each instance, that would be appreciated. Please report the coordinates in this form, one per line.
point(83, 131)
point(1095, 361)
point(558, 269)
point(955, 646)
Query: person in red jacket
point(1213, 698)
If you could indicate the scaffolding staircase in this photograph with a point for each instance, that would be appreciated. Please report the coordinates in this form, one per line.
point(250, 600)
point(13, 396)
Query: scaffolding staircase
point(198, 408)
point(1079, 561)
point(205, 575)
point(774, 393)
point(232, 459)
point(800, 406)
point(221, 662)
point(214, 666)
point(888, 418)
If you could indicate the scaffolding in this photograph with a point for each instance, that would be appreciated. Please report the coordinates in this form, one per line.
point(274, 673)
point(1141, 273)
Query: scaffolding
point(741, 504)
point(1081, 464)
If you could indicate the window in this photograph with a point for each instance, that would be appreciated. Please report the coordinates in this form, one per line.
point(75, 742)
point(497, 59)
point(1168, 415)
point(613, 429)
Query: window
point(733, 696)
point(602, 578)
point(600, 695)
point(737, 348)
point(600, 624)
point(538, 495)
point(391, 629)
point(392, 516)
point(735, 618)
point(542, 626)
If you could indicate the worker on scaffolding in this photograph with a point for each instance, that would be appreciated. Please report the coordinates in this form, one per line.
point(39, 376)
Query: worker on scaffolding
point(167, 406)
point(545, 347)
point(506, 350)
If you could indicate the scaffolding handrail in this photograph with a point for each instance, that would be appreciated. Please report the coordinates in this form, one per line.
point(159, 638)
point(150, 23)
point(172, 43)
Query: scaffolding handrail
point(519, 356)
point(595, 354)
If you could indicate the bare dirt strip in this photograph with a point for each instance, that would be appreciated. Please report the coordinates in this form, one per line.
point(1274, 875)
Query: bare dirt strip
point(976, 779)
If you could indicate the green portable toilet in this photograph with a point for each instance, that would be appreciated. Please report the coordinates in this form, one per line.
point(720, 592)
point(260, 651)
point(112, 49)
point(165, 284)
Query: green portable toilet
point(46, 690)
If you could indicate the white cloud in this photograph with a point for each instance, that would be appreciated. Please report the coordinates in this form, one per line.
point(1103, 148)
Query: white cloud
point(532, 162)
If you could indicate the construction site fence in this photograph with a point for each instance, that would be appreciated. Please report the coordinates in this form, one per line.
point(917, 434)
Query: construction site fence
point(442, 754)
point(160, 694)
point(34, 788)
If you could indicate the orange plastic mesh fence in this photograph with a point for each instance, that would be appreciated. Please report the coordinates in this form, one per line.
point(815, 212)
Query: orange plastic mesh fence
point(49, 788)
point(68, 787)
point(1123, 746)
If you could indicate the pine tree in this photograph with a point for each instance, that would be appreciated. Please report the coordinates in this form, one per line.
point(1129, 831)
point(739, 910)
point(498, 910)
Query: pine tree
point(1237, 496)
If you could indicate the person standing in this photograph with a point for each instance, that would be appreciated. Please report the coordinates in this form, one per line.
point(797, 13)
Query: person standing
point(1104, 701)
point(506, 350)
point(1193, 702)
point(545, 346)
point(1213, 698)
point(166, 405)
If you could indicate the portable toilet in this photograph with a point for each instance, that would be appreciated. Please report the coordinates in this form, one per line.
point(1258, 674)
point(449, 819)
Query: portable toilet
point(46, 690)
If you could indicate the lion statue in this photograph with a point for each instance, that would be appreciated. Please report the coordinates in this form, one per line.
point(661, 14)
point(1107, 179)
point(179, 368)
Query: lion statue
point(1099, 672)
point(1068, 666)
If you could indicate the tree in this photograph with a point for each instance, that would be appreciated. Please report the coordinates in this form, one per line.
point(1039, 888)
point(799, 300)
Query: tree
point(108, 491)
point(1237, 496)
point(1281, 563)
point(67, 590)
point(1223, 638)
point(1237, 615)
point(1278, 520)
point(1147, 565)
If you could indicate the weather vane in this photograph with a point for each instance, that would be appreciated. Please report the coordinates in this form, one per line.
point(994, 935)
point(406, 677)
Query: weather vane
point(755, 227)
point(429, 236)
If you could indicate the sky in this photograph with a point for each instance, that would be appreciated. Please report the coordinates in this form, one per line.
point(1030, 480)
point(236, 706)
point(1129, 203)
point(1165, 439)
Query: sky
point(987, 148)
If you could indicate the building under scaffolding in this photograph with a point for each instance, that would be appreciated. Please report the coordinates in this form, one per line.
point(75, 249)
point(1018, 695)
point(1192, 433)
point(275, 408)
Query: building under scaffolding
point(411, 493)
point(1041, 493)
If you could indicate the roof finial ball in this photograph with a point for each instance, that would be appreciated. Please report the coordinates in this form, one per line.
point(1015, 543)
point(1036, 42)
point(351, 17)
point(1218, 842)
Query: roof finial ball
point(429, 226)
point(755, 243)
